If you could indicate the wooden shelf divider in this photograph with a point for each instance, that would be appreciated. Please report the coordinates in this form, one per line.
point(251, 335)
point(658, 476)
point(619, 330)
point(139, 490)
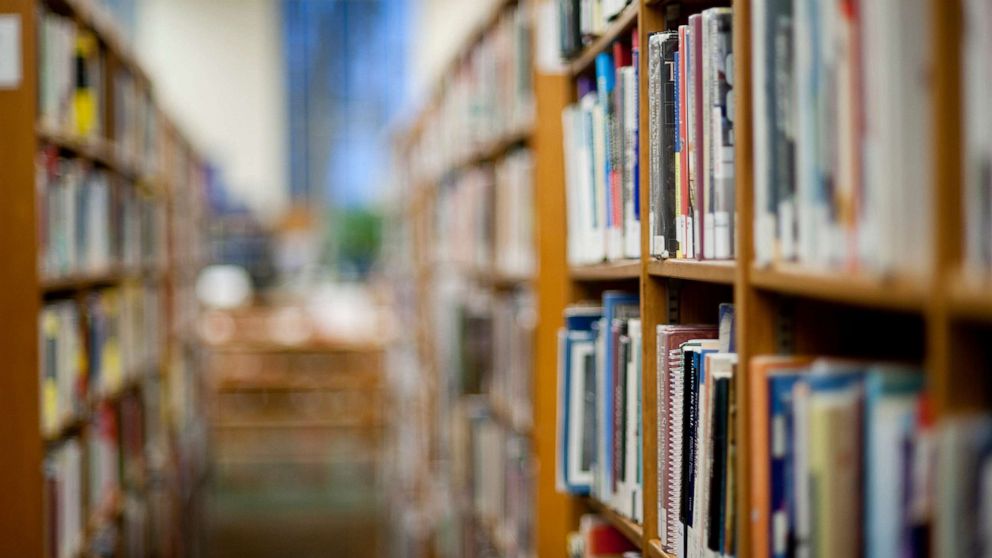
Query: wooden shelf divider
point(609, 271)
point(707, 271)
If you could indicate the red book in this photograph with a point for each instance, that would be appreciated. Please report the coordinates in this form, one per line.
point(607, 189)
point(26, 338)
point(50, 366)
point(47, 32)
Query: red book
point(602, 539)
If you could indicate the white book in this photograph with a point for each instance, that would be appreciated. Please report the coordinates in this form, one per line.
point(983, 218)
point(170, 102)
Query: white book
point(631, 221)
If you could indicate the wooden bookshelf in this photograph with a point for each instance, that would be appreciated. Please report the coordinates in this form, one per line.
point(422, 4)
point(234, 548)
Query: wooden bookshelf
point(943, 320)
point(610, 271)
point(937, 305)
point(157, 173)
point(586, 60)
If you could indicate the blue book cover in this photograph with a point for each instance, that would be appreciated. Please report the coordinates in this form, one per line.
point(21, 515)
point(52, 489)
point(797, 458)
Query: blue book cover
point(781, 451)
point(605, 83)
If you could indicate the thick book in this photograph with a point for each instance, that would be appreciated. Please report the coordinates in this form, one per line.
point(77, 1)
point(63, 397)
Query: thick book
point(663, 135)
point(670, 339)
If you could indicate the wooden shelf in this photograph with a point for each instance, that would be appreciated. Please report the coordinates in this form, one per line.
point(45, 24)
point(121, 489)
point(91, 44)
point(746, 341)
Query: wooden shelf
point(609, 271)
point(694, 270)
point(654, 550)
point(631, 530)
point(587, 58)
point(860, 290)
point(969, 298)
point(51, 288)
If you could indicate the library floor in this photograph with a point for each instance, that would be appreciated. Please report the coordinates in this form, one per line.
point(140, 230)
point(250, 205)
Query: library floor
point(273, 522)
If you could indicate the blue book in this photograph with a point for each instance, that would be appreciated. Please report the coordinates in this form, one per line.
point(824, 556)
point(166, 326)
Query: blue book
point(575, 470)
point(781, 452)
point(890, 410)
point(605, 83)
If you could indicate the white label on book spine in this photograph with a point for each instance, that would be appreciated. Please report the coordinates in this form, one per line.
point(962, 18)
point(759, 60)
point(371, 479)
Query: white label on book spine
point(778, 436)
point(780, 532)
point(10, 51)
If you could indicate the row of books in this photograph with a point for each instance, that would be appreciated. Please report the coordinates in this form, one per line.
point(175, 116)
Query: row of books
point(484, 217)
point(599, 449)
point(602, 185)
point(88, 478)
point(71, 69)
point(580, 21)
point(488, 98)
point(502, 486)
point(976, 51)
point(514, 318)
point(515, 242)
point(87, 225)
point(843, 166)
point(691, 137)
point(840, 453)
point(135, 123)
point(696, 437)
point(90, 350)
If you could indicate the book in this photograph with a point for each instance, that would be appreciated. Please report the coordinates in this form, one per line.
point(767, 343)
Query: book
point(577, 396)
point(662, 98)
point(976, 121)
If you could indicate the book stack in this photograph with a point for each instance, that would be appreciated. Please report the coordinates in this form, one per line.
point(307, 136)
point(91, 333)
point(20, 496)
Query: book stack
point(135, 124)
point(514, 319)
point(842, 135)
point(964, 500)
point(464, 225)
point(697, 446)
point(691, 133)
point(599, 395)
point(581, 21)
point(65, 523)
point(840, 458)
point(514, 215)
point(63, 376)
point(76, 235)
point(488, 97)
point(977, 123)
point(70, 77)
point(495, 465)
point(602, 185)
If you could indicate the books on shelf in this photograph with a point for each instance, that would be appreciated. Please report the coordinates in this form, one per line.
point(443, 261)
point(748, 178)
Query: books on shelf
point(65, 522)
point(599, 395)
point(842, 133)
point(63, 373)
point(697, 446)
point(464, 226)
point(840, 458)
point(602, 183)
point(964, 501)
point(71, 67)
point(691, 139)
point(581, 21)
point(514, 323)
point(976, 73)
point(488, 98)
point(90, 223)
point(515, 242)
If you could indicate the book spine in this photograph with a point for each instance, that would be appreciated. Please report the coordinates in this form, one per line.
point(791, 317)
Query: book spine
point(698, 134)
point(722, 142)
point(683, 223)
point(668, 161)
point(655, 107)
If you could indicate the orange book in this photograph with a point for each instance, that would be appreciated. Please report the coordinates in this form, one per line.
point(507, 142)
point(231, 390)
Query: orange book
point(759, 506)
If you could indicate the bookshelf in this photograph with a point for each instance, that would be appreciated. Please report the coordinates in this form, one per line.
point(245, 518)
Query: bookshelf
point(938, 319)
point(468, 171)
point(130, 277)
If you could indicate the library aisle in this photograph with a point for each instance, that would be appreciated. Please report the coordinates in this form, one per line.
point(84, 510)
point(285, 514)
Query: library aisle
point(499, 278)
